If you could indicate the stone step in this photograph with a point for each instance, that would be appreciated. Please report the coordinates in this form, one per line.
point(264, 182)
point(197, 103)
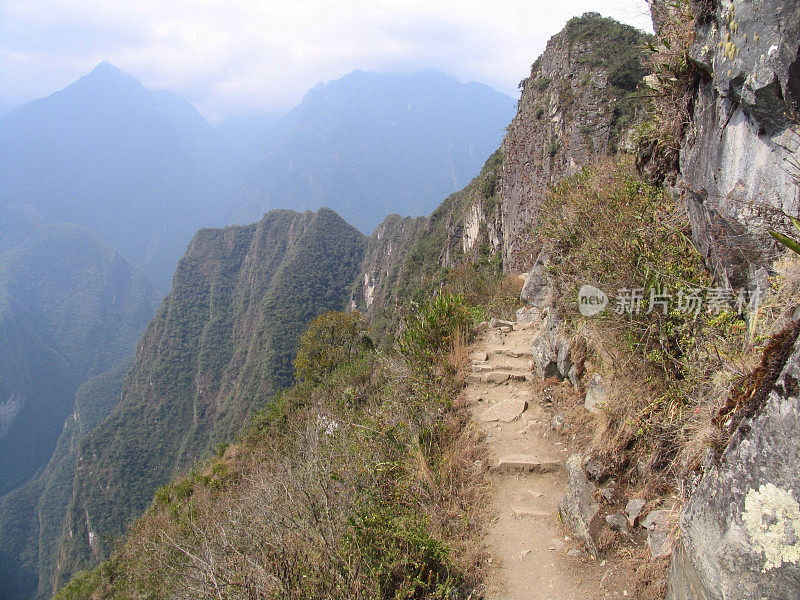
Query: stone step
point(527, 463)
point(500, 323)
point(495, 377)
point(505, 411)
point(511, 353)
point(521, 512)
point(499, 377)
point(505, 367)
point(482, 368)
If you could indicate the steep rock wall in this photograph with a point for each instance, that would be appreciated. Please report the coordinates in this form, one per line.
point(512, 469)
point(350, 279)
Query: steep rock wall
point(739, 529)
point(736, 163)
point(386, 250)
point(573, 110)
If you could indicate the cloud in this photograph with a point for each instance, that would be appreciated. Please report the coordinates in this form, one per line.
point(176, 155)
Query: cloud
point(230, 57)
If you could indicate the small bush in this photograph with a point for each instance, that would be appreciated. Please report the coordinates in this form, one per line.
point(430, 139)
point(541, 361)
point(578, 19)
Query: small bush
point(434, 329)
point(330, 340)
point(670, 94)
point(542, 83)
point(485, 287)
point(82, 586)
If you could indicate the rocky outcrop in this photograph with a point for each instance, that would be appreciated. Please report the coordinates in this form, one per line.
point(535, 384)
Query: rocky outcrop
point(740, 531)
point(538, 289)
point(386, 250)
point(551, 347)
point(736, 162)
point(738, 172)
point(577, 508)
point(408, 259)
point(572, 112)
point(574, 109)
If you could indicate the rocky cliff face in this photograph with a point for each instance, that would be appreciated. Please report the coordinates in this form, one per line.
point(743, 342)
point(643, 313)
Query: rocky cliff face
point(739, 531)
point(406, 259)
point(386, 251)
point(574, 109)
point(736, 164)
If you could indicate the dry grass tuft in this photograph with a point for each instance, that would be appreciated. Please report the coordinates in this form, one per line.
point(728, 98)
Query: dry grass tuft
point(670, 91)
point(679, 383)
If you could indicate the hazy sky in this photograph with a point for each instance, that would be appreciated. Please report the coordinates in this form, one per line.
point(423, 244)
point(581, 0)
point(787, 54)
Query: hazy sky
point(234, 57)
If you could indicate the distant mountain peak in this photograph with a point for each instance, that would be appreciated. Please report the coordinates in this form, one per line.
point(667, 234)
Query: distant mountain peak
point(106, 79)
point(105, 71)
point(360, 76)
point(373, 143)
point(105, 68)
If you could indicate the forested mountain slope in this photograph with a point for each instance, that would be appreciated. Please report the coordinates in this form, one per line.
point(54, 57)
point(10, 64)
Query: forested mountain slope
point(220, 346)
point(32, 516)
point(70, 309)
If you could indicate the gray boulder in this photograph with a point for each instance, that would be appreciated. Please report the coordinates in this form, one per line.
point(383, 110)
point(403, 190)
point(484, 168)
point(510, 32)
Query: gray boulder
point(658, 524)
point(551, 349)
point(577, 508)
point(596, 395)
point(538, 288)
point(618, 522)
point(739, 530)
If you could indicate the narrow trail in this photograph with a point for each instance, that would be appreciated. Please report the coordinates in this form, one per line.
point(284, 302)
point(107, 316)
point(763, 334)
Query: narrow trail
point(533, 556)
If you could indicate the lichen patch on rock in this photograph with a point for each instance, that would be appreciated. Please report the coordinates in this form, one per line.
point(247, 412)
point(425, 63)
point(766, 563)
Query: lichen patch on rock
point(772, 520)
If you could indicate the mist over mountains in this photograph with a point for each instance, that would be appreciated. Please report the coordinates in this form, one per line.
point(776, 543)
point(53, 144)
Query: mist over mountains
point(108, 154)
point(144, 170)
point(71, 307)
point(369, 145)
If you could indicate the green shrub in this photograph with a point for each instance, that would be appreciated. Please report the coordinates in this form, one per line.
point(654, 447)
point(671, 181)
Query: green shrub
point(406, 561)
point(81, 587)
point(330, 340)
point(434, 329)
point(542, 83)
